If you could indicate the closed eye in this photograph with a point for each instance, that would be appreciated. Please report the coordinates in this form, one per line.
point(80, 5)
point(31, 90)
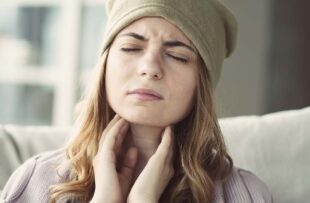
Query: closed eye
point(183, 60)
point(130, 49)
point(177, 58)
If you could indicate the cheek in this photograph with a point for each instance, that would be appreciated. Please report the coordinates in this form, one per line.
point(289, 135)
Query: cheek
point(118, 68)
point(184, 86)
point(187, 97)
point(115, 71)
point(113, 76)
point(118, 75)
point(183, 97)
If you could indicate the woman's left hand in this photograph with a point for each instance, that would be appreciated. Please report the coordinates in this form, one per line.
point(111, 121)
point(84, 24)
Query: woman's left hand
point(157, 173)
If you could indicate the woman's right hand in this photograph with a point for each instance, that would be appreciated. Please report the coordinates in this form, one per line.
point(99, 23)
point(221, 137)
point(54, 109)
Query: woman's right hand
point(111, 185)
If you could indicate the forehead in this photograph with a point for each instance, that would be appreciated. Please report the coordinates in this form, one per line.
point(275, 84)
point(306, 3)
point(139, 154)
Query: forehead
point(156, 27)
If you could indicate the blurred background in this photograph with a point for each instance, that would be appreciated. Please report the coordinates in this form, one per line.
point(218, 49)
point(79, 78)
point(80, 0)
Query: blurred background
point(49, 47)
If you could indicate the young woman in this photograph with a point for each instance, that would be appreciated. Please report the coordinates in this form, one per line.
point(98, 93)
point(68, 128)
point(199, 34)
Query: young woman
point(147, 131)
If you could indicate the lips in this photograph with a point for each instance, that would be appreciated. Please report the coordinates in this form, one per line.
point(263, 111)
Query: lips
point(146, 94)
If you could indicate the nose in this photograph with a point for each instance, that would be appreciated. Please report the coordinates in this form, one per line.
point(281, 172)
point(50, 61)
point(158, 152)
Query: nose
point(150, 66)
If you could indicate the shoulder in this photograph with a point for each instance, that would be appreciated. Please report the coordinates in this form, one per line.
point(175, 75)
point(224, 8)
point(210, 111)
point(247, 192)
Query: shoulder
point(31, 181)
point(243, 186)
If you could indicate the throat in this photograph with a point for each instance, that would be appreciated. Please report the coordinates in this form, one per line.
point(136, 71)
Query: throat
point(146, 140)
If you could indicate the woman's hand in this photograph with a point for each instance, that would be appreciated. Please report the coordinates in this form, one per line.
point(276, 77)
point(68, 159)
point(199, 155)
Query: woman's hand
point(110, 185)
point(157, 173)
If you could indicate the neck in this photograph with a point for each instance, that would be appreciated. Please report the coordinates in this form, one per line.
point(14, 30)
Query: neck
point(146, 139)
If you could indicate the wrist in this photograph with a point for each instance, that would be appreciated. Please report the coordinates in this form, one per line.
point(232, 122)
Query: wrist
point(103, 200)
point(141, 199)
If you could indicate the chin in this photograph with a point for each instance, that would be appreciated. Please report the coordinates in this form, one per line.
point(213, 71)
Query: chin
point(146, 120)
point(154, 117)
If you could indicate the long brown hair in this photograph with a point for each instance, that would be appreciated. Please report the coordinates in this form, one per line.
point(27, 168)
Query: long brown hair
point(200, 152)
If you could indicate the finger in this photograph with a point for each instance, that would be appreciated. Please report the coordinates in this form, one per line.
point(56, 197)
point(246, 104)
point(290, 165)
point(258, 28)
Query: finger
point(165, 147)
point(113, 134)
point(158, 171)
point(171, 148)
point(112, 122)
point(109, 126)
point(127, 170)
point(108, 152)
point(120, 138)
point(129, 163)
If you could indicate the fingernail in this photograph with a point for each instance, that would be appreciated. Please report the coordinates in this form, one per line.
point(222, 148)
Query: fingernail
point(168, 129)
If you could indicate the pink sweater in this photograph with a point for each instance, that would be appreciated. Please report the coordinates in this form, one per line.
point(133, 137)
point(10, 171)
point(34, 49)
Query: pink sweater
point(30, 183)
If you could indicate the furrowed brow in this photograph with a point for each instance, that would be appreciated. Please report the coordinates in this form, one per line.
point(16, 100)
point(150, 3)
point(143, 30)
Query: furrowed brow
point(176, 43)
point(173, 43)
point(135, 35)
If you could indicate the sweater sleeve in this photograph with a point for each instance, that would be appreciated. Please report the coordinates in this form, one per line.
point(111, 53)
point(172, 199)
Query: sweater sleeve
point(32, 181)
point(244, 186)
point(257, 189)
point(18, 181)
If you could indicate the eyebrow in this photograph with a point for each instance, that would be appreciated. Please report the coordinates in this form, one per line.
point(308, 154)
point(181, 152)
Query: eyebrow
point(172, 43)
point(135, 35)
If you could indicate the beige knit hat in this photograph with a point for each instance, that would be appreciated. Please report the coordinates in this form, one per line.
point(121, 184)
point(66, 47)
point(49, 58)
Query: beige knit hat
point(210, 26)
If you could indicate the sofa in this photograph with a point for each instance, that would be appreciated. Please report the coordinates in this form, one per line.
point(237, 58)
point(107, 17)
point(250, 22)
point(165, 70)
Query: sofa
point(275, 146)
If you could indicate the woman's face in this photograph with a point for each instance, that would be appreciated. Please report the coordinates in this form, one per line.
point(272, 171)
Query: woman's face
point(151, 73)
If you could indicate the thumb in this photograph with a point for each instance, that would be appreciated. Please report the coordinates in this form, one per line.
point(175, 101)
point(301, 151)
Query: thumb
point(127, 170)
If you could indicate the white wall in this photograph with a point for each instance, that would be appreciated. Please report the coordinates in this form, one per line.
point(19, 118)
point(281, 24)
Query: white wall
point(241, 87)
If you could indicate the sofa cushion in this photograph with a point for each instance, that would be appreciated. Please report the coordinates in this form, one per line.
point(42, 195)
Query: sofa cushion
point(276, 147)
point(17, 144)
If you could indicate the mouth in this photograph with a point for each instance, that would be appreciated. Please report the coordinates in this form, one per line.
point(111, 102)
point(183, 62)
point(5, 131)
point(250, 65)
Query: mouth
point(146, 94)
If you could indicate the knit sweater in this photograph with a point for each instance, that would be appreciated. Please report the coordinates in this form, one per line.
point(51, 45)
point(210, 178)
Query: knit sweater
point(31, 182)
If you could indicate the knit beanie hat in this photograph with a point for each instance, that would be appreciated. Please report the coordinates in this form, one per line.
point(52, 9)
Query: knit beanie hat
point(210, 26)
